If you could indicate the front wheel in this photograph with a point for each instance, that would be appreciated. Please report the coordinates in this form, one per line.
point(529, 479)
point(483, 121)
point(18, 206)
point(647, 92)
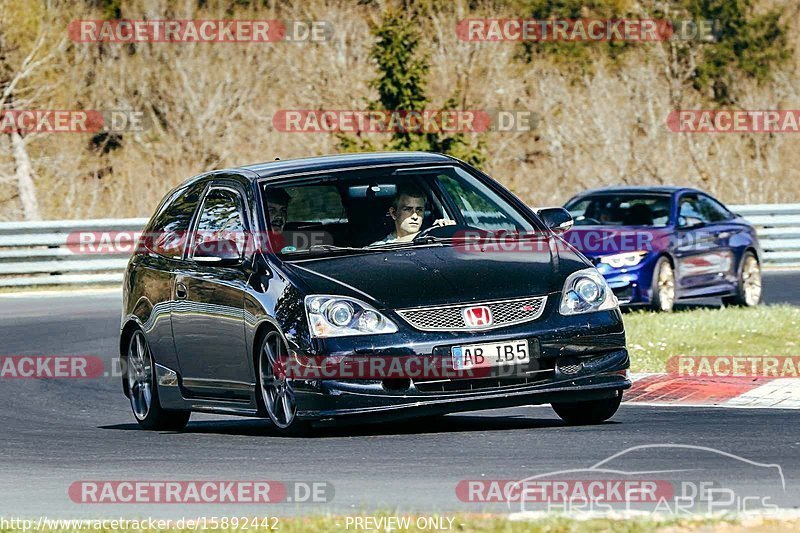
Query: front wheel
point(143, 392)
point(662, 294)
point(589, 412)
point(748, 290)
point(277, 396)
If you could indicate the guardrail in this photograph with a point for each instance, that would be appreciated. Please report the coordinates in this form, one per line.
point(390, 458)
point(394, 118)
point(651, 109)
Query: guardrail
point(37, 253)
point(778, 227)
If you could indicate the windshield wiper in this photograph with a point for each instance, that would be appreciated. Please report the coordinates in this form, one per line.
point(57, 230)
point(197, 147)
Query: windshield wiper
point(333, 248)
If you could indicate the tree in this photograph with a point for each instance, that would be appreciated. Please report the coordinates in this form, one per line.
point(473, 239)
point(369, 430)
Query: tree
point(401, 87)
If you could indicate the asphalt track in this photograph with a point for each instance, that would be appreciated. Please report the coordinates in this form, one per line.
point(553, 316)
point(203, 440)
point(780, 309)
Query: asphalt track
point(57, 432)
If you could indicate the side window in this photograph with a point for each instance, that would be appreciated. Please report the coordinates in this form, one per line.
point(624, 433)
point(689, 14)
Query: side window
point(480, 206)
point(221, 219)
point(690, 213)
point(315, 204)
point(167, 234)
point(712, 210)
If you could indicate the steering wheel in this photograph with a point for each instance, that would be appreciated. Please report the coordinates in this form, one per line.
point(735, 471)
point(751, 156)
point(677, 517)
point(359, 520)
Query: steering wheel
point(451, 231)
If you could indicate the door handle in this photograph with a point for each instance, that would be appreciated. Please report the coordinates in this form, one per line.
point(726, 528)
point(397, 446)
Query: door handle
point(180, 291)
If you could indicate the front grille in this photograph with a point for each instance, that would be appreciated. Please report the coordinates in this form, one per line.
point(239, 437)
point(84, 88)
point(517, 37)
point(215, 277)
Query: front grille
point(451, 317)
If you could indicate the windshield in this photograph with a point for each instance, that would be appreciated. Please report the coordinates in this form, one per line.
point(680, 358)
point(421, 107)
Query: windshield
point(372, 210)
point(621, 210)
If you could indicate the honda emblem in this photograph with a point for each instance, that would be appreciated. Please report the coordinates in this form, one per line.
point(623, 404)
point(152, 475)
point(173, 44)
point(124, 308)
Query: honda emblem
point(477, 317)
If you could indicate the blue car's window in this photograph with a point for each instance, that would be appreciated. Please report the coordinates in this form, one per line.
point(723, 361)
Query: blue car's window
point(375, 208)
point(621, 210)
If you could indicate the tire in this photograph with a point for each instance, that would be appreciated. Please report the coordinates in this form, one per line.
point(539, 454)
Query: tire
point(143, 391)
point(276, 396)
point(588, 413)
point(748, 291)
point(662, 292)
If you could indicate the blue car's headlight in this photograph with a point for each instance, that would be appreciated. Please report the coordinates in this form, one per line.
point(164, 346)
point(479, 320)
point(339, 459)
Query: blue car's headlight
point(586, 291)
point(340, 316)
point(627, 259)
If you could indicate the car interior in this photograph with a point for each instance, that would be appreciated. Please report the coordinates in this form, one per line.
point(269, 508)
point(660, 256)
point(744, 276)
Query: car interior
point(350, 213)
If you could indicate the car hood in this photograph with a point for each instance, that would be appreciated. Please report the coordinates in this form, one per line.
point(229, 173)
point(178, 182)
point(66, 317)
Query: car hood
point(598, 241)
point(437, 275)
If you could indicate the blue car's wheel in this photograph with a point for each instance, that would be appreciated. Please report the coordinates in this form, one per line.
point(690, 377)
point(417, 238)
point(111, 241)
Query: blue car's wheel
point(663, 287)
point(748, 292)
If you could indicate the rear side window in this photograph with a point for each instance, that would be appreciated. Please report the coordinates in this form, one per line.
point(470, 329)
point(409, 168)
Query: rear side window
point(167, 234)
point(221, 219)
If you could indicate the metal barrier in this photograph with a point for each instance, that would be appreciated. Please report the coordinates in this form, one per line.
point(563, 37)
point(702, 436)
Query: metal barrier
point(778, 227)
point(38, 253)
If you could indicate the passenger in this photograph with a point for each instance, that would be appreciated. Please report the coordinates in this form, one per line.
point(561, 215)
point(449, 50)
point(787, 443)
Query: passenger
point(278, 209)
point(408, 212)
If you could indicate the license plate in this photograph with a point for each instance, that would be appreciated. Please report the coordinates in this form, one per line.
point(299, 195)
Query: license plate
point(490, 354)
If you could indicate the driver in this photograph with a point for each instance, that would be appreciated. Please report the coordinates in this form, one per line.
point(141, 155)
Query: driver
point(408, 211)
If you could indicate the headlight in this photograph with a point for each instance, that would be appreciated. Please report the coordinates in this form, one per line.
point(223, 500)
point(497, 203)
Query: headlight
point(624, 260)
point(338, 316)
point(586, 291)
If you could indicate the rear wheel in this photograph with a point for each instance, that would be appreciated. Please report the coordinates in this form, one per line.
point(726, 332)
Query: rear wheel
point(276, 393)
point(748, 292)
point(143, 392)
point(588, 413)
point(663, 288)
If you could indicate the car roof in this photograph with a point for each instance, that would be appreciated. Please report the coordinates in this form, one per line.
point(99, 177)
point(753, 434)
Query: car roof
point(284, 167)
point(636, 189)
point(341, 161)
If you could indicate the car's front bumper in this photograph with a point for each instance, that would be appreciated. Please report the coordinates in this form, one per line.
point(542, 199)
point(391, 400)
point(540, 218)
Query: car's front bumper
point(631, 285)
point(596, 377)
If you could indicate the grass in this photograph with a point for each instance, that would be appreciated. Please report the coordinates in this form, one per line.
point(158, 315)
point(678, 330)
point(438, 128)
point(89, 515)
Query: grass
point(764, 330)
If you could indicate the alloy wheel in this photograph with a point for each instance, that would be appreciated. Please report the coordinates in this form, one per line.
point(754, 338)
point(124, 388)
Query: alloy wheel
point(751, 281)
point(666, 287)
point(276, 388)
point(140, 375)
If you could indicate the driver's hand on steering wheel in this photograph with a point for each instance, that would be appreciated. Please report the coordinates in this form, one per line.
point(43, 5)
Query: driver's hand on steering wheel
point(441, 222)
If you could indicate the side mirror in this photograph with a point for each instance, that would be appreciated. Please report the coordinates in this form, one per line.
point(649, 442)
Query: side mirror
point(557, 219)
point(223, 252)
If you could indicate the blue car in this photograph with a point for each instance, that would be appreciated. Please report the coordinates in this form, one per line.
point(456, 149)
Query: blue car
point(660, 245)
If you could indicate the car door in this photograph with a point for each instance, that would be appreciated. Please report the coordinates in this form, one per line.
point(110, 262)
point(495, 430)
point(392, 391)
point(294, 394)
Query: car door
point(208, 317)
point(702, 261)
point(162, 248)
point(727, 233)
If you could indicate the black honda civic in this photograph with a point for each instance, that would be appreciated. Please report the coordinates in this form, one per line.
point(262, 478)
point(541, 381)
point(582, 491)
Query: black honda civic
point(363, 287)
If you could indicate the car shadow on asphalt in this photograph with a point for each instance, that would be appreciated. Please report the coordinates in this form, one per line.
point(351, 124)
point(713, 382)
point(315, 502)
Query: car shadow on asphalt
point(418, 426)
